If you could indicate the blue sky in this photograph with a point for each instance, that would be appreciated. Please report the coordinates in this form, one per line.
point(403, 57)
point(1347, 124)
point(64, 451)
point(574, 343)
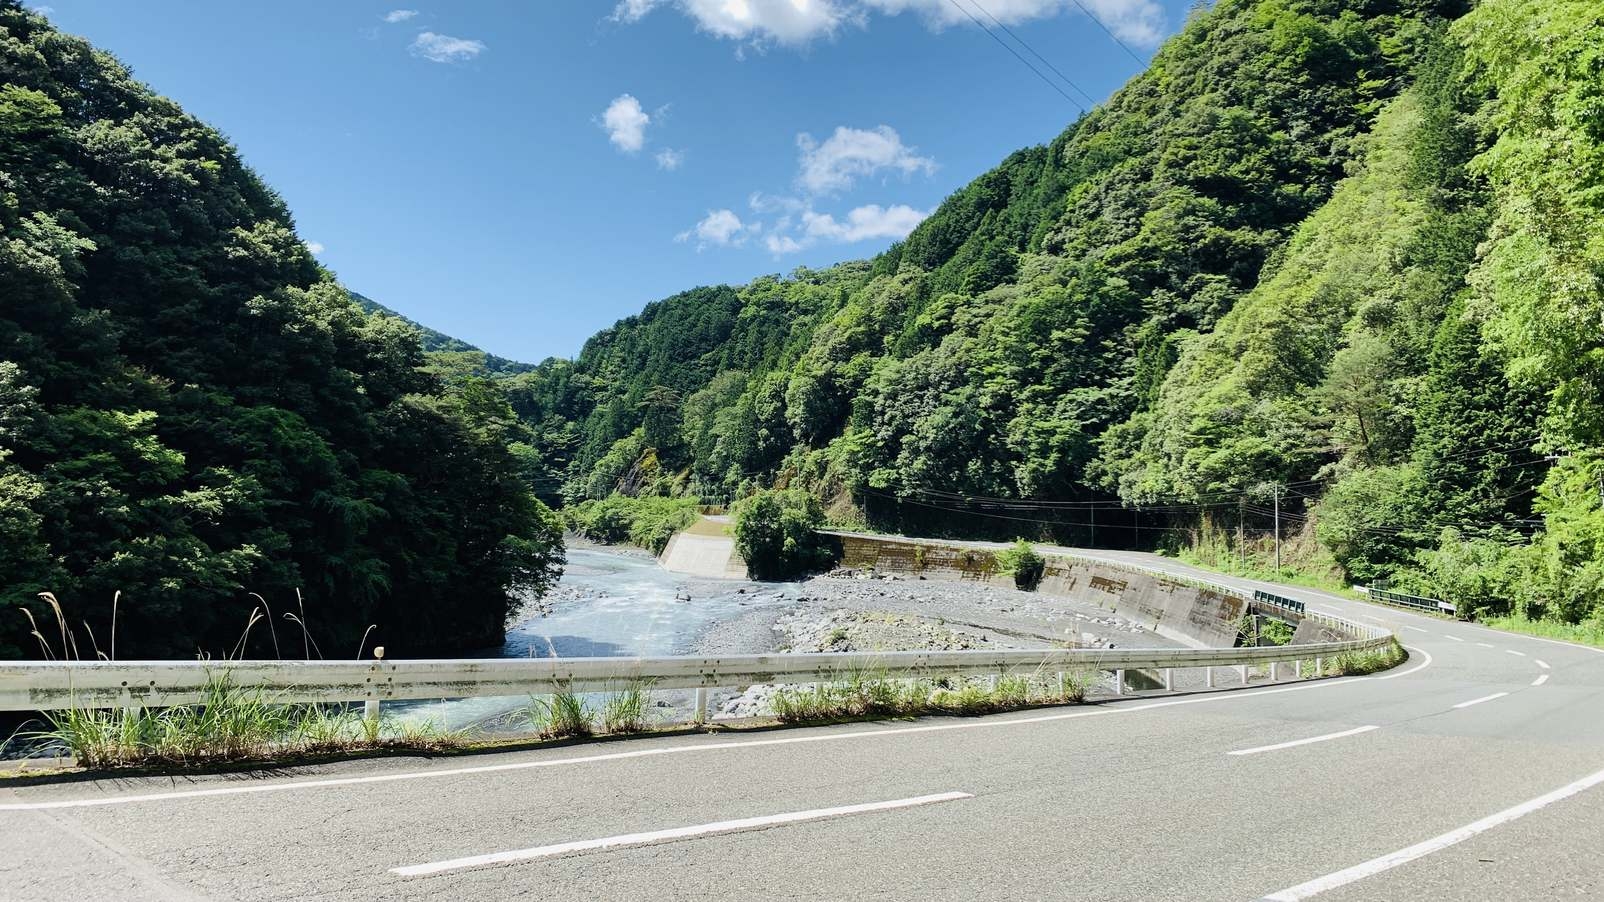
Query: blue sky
point(520, 175)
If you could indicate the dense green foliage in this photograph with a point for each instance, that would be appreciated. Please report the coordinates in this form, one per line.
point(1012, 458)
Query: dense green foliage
point(1347, 254)
point(1344, 257)
point(648, 521)
point(776, 534)
point(192, 410)
point(1024, 563)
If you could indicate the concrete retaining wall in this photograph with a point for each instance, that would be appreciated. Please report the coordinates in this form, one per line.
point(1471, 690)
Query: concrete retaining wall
point(1192, 615)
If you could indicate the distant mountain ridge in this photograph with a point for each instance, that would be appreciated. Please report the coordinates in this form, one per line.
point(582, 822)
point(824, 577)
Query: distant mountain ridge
point(437, 342)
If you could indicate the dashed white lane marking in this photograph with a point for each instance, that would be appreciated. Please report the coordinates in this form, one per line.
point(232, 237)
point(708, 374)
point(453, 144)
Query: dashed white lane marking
point(1436, 844)
point(1541, 663)
point(654, 837)
point(1511, 651)
point(1415, 628)
point(1485, 644)
point(1235, 695)
point(1541, 679)
point(1312, 739)
point(1452, 636)
point(1477, 701)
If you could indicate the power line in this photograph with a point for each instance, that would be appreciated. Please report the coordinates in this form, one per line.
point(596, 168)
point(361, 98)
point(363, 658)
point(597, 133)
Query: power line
point(1067, 80)
point(1004, 44)
point(1110, 33)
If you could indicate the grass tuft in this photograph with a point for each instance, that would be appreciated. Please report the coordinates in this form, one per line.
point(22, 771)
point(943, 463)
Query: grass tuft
point(561, 716)
point(878, 694)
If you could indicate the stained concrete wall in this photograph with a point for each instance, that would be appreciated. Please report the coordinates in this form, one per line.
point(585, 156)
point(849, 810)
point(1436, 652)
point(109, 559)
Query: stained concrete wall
point(1192, 615)
point(703, 555)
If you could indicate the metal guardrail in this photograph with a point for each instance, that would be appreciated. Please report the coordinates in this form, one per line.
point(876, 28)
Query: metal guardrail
point(1417, 602)
point(1281, 601)
point(56, 685)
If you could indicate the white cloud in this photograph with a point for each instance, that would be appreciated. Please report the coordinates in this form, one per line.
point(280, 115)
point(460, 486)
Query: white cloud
point(626, 123)
point(628, 11)
point(782, 244)
point(670, 159)
point(316, 247)
point(399, 15)
point(42, 10)
point(852, 153)
point(441, 48)
point(719, 227)
point(863, 223)
point(797, 22)
point(793, 22)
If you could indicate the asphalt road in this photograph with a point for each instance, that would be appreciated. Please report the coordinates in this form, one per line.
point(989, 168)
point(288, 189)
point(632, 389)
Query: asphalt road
point(1467, 773)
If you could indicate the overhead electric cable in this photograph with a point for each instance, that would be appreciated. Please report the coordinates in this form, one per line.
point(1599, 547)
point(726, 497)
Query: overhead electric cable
point(1111, 34)
point(1067, 80)
point(1004, 44)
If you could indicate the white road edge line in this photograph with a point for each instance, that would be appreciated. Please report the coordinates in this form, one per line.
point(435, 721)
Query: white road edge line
point(1477, 701)
point(1541, 663)
point(699, 747)
point(654, 837)
point(1312, 739)
point(1436, 844)
point(1541, 679)
point(1511, 651)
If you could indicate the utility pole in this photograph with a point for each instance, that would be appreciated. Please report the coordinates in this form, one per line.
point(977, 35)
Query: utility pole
point(1241, 547)
point(1278, 488)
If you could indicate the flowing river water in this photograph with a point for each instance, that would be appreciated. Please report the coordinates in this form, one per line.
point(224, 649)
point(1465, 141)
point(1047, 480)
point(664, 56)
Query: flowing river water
point(607, 604)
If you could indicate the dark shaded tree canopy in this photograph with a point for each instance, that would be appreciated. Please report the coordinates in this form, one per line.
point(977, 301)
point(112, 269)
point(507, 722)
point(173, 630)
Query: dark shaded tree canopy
point(191, 409)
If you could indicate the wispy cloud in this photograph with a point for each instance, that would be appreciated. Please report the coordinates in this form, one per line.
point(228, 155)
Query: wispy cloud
point(634, 10)
point(443, 48)
point(823, 170)
point(669, 159)
point(625, 123)
point(853, 153)
point(399, 15)
point(799, 22)
point(316, 247)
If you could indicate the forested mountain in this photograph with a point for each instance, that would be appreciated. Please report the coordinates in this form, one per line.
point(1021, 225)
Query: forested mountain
point(192, 410)
point(454, 349)
point(1346, 253)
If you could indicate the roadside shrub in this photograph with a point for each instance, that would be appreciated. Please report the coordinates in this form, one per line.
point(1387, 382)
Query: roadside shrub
point(1025, 563)
point(776, 533)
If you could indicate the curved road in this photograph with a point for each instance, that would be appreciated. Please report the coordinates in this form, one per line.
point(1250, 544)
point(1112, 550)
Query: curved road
point(1469, 772)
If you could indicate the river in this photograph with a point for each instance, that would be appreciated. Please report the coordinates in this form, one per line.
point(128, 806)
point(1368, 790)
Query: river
point(607, 604)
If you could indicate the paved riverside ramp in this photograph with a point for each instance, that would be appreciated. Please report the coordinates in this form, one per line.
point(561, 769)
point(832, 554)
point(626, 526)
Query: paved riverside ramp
point(1473, 771)
point(705, 549)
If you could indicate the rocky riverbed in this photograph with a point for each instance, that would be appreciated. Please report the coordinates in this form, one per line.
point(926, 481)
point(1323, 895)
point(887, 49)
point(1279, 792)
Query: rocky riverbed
point(864, 611)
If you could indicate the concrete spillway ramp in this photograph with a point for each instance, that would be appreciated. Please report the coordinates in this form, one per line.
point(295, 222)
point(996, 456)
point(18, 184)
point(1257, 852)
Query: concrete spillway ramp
point(704, 549)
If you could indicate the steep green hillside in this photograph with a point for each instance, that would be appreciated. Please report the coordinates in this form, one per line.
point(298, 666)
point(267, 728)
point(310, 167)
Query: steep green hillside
point(1347, 253)
point(1038, 306)
point(191, 410)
